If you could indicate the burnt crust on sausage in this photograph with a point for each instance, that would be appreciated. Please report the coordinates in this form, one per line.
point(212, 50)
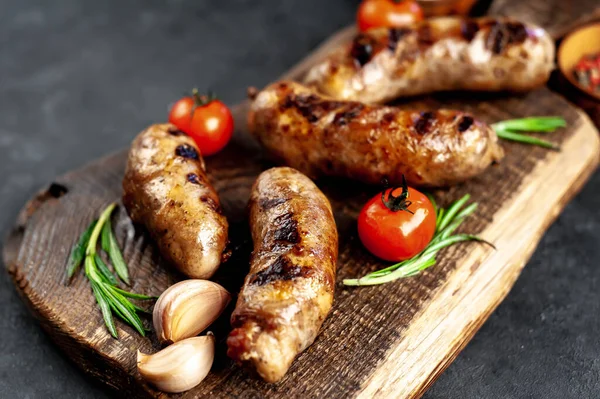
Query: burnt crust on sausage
point(321, 136)
point(289, 290)
point(438, 54)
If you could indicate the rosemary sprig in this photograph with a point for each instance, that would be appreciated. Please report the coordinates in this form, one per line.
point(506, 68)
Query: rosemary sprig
point(111, 247)
point(447, 221)
point(78, 250)
point(110, 298)
point(512, 129)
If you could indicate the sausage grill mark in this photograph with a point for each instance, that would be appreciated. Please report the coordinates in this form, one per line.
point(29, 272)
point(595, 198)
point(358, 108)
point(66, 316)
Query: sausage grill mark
point(280, 270)
point(173, 131)
point(465, 123)
point(287, 231)
point(394, 37)
point(193, 178)
point(187, 151)
point(424, 124)
point(310, 107)
point(469, 29)
point(212, 204)
point(503, 35)
point(425, 35)
point(348, 113)
point(268, 203)
point(362, 49)
point(388, 118)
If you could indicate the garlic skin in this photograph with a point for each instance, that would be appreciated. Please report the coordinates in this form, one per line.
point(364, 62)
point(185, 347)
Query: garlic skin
point(187, 308)
point(178, 367)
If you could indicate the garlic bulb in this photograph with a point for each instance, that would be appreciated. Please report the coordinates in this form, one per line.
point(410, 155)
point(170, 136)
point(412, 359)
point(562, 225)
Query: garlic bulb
point(187, 308)
point(178, 367)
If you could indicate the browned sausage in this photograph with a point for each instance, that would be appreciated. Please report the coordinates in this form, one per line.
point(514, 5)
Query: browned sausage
point(321, 136)
point(439, 54)
point(166, 189)
point(289, 290)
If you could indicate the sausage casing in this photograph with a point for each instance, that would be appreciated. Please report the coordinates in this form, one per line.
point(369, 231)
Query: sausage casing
point(321, 136)
point(289, 290)
point(166, 189)
point(439, 54)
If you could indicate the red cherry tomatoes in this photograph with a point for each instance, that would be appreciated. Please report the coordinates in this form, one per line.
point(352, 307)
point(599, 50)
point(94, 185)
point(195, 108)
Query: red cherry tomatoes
point(387, 13)
point(205, 119)
point(397, 224)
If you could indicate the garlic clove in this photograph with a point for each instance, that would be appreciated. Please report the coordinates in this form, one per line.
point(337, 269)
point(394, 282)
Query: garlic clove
point(178, 367)
point(187, 308)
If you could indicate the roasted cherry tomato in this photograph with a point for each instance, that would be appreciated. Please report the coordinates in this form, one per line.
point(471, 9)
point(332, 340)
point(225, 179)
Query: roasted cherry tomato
point(205, 119)
point(387, 13)
point(397, 224)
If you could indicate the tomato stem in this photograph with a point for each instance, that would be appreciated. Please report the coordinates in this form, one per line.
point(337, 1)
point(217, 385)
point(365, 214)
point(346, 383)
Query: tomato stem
point(397, 203)
point(200, 100)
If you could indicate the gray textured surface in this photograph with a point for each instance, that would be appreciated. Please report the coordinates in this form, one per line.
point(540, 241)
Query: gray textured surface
point(79, 79)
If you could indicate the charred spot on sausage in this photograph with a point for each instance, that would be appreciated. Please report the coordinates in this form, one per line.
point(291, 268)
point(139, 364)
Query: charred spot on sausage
point(394, 37)
point(174, 131)
point(311, 107)
point(347, 113)
point(362, 49)
point(424, 124)
point(517, 33)
point(465, 123)
point(287, 231)
point(388, 118)
point(193, 178)
point(186, 151)
point(469, 29)
point(503, 34)
point(268, 203)
point(212, 204)
point(497, 39)
point(425, 35)
point(280, 270)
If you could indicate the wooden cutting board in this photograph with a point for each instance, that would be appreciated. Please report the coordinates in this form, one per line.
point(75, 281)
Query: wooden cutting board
point(390, 340)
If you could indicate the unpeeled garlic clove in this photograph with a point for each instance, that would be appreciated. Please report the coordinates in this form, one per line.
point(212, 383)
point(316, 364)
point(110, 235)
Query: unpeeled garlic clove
point(178, 367)
point(187, 308)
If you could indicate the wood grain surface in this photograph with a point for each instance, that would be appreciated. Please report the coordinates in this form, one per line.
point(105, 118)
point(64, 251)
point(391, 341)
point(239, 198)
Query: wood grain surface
point(390, 340)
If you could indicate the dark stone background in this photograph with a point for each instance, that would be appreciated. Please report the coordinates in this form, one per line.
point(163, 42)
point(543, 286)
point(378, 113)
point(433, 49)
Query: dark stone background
point(79, 79)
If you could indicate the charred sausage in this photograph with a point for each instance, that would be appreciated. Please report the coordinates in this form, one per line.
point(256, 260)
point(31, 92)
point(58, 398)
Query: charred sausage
point(289, 290)
point(487, 54)
point(321, 136)
point(166, 189)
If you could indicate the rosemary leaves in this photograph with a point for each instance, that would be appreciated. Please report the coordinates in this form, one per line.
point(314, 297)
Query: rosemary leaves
point(513, 129)
point(110, 298)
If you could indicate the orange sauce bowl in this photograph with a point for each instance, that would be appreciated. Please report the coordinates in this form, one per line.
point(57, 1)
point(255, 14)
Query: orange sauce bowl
point(580, 42)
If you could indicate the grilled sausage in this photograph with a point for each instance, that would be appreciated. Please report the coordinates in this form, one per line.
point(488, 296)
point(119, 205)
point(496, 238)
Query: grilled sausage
point(321, 136)
point(289, 290)
point(166, 189)
point(437, 55)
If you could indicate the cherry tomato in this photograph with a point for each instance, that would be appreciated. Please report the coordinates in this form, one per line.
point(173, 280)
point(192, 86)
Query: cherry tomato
point(387, 13)
point(398, 228)
point(211, 125)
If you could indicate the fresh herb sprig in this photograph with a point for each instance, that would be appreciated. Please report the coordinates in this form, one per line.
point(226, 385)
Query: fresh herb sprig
point(110, 298)
point(447, 221)
point(513, 129)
